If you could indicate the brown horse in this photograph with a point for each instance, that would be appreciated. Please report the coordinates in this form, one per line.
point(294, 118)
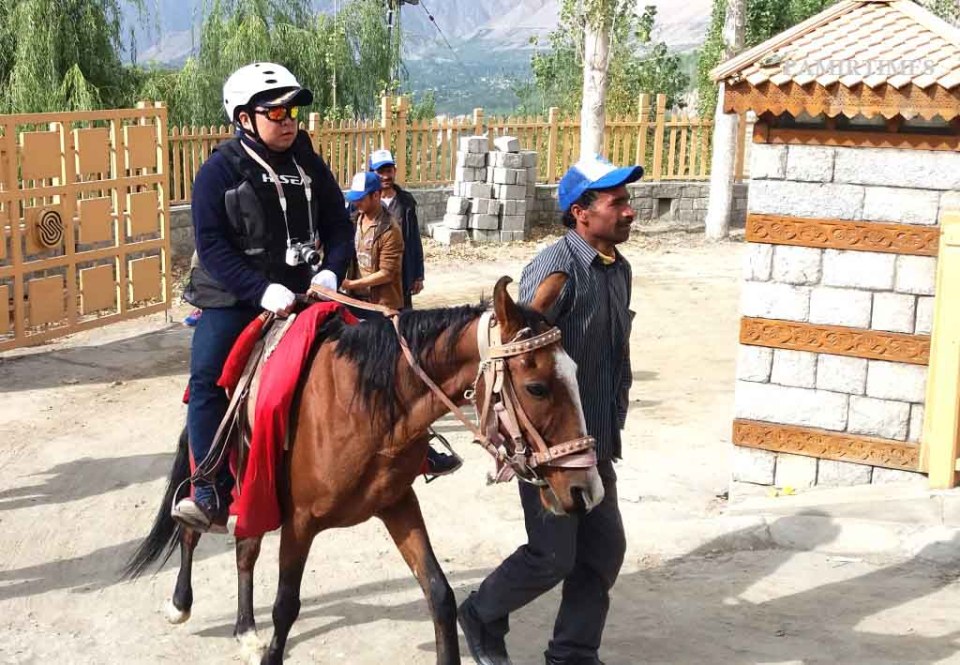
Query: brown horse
point(345, 466)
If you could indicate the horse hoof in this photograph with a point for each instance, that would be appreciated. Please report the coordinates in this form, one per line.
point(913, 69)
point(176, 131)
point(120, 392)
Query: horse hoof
point(251, 647)
point(175, 615)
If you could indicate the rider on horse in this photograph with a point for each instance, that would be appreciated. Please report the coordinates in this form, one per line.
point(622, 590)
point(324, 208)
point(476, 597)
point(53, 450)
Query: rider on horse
point(264, 204)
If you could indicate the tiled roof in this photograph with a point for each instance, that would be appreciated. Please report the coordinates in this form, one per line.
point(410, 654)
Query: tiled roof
point(873, 42)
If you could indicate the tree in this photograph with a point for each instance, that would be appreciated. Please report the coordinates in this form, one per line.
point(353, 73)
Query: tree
point(62, 54)
point(349, 51)
point(725, 131)
point(637, 64)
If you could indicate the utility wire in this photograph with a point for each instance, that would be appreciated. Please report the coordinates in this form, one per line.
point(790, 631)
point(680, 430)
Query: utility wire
point(443, 36)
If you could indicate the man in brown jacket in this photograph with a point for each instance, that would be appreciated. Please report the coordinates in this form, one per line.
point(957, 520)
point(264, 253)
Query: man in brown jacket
point(379, 245)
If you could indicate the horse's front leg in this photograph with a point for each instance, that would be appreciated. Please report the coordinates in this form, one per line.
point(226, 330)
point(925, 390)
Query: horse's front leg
point(251, 648)
point(181, 604)
point(295, 540)
point(404, 521)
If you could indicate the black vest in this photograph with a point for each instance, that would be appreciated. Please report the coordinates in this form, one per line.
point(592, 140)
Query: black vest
point(255, 224)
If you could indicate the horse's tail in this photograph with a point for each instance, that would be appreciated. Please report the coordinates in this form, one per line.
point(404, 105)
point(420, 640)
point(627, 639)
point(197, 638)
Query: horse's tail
point(165, 534)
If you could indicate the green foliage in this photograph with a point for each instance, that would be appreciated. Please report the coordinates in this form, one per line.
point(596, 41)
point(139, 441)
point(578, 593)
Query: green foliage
point(948, 10)
point(764, 19)
point(425, 107)
point(61, 54)
point(66, 55)
point(347, 56)
point(637, 64)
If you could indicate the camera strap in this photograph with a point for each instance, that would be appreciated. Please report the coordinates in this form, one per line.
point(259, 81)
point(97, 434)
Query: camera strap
point(304, 180)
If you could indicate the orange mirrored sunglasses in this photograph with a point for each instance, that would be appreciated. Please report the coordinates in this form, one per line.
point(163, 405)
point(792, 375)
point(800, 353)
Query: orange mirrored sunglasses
point(280, 113)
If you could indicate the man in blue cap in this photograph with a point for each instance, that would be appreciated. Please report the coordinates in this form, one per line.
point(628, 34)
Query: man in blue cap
point(581, 284)
point(401, 204)
point(378, 244)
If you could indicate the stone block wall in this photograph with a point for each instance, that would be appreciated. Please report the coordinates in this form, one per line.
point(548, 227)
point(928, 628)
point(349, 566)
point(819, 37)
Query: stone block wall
point(659, 206)
point(852, 288)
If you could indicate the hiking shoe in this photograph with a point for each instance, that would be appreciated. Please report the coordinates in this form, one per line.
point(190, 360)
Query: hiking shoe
point(442, 464)
point(194, 515)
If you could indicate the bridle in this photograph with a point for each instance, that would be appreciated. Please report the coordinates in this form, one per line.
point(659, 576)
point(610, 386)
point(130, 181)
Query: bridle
point(503, 428)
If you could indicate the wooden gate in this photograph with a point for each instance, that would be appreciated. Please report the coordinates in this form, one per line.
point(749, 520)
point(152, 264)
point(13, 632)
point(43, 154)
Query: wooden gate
point(84, 226)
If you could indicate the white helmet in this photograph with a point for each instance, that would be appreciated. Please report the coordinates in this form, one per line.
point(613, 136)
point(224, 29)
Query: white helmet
point(259, 77)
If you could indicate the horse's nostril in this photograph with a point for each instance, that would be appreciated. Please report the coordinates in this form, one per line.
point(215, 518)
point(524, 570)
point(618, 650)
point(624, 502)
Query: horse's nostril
point(579, 499)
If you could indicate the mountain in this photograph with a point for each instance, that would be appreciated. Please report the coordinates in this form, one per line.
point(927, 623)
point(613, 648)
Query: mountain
point(464, 77)
point(496, 24)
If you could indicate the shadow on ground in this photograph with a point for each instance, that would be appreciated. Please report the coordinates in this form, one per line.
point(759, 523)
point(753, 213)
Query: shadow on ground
point(73, 480)
point(697, 608)
point(158, 353)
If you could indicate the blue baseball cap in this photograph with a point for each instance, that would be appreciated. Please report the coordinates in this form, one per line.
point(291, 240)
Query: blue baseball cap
point(381, 158)
point(363, 183)
point(593, 172)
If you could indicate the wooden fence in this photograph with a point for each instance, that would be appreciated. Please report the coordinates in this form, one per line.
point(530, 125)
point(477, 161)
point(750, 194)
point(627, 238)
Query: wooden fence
point(671, 146)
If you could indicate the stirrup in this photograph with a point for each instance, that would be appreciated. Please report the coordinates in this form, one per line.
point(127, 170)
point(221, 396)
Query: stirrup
point(430, 477)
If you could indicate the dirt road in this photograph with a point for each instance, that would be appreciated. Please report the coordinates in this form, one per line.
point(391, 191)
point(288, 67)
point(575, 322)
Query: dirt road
point(87, 428)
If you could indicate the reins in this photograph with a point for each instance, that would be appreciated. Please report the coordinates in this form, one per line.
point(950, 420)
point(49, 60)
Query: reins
point(502, 411)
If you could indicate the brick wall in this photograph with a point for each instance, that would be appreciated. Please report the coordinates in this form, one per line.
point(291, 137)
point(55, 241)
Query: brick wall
point(857, 289)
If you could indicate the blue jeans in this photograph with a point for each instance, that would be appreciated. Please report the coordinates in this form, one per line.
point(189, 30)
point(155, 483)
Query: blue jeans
point(213, 339)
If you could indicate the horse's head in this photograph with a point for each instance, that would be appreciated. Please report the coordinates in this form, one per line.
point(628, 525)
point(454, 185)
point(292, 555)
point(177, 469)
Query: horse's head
point(539, 400)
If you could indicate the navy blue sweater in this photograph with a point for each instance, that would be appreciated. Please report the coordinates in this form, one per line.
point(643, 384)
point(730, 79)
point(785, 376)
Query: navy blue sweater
point(224, 261)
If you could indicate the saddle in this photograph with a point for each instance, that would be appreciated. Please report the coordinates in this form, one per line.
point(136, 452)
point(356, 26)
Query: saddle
point(240, 378)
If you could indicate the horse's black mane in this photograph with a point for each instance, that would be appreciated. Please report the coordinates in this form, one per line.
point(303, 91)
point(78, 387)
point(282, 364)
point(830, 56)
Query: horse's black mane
point(374, 348)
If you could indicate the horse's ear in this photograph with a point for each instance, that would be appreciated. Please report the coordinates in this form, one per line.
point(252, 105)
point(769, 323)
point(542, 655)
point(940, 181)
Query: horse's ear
point(506, 310)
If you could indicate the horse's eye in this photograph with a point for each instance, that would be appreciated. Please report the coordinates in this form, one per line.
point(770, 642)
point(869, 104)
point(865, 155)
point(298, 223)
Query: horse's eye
point(537, 389)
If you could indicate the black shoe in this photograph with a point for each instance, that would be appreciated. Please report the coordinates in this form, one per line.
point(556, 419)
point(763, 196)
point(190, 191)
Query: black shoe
point(442, 464)
point(485, 647)
point(551, 660)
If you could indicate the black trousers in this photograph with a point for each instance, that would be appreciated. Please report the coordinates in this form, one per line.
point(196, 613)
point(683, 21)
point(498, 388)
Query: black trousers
point(584, 552)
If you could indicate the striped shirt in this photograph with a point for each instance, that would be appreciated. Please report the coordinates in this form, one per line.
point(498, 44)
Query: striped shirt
point(593, 313)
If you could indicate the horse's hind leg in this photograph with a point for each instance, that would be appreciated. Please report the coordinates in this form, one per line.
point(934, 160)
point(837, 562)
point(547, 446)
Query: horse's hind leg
point(179, 606)
point(295, 541)
point(404, 521)
point(251, 648)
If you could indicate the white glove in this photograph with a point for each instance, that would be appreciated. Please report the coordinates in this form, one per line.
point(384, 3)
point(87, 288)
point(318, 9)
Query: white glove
point(326, 279)
point(278, 299)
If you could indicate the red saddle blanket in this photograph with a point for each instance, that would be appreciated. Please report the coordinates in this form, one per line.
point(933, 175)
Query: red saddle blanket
point(256, 506)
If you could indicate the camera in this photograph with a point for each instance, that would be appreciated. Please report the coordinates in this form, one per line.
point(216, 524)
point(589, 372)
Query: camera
point(302, 252)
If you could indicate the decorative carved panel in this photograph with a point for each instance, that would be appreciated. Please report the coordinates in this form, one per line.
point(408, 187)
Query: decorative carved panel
point(142, 210)
point(98, 289)
point(93, 150)
point(45, 229)
point(145, 282)
point(854, 139)
point(96, 221)
point(824, 444)
point(909, 101)
point(836, 340)
point(141, 142)
point(839, 234)
point(46, 300)
point(40, 155)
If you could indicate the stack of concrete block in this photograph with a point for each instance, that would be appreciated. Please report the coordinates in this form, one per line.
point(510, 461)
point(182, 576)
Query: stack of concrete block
point(467, 209)
point(492, 193)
